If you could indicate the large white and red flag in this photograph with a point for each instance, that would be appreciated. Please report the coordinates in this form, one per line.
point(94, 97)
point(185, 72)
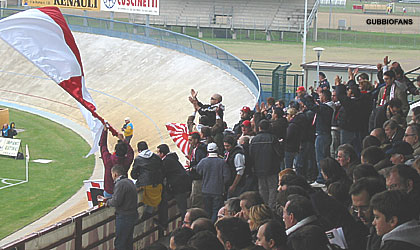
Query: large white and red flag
point(44, 38)
point(179, 134)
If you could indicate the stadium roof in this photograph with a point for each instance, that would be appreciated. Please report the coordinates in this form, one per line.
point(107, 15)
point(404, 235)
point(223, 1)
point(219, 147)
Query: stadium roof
point(339, 66)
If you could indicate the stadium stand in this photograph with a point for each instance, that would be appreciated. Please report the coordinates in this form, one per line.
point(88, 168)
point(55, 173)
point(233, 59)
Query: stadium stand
point(284, 15)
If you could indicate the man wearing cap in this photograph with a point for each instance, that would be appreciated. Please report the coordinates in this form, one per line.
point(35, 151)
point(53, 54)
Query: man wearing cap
point(245, 116)
point(400, 152)
point(300, 92)
point(323, 82)
point(247, 130)
point(215, 174)
point(128, 129)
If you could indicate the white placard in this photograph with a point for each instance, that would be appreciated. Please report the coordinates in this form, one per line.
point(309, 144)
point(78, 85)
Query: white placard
point(9, 146)
point(146, 7)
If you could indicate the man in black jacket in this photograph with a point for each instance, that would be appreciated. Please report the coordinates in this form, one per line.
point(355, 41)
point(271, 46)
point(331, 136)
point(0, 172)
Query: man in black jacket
point(245, 115)
point(235, 158)
point(393, 131)
point(197, 152)
point(323, 117)
point(178, 183)
point(303, 230)
point(124, 200)
point(293, 136)
point(305, 160)
point(266, 156)
point(147, 170)
point(348, 119)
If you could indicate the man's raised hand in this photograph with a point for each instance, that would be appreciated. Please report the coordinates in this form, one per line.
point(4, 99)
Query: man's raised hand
point(386, 60)
point(194, 94)
point(337, 80)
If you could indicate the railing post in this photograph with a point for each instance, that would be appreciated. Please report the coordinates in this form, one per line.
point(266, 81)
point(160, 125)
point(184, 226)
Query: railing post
point(78, 233)
point(85, 22)
point(111, 23)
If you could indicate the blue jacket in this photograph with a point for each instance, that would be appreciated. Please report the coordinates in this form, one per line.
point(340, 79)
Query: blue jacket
point(215, 174)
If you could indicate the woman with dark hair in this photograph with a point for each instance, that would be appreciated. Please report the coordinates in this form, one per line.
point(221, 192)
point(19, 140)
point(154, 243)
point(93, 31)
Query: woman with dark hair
point(334, 173)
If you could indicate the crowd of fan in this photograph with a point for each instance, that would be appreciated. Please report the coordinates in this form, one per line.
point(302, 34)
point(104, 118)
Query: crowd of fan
point(337, 168)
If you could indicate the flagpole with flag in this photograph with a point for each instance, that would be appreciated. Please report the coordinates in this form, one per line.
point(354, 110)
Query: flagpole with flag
point(43, 37)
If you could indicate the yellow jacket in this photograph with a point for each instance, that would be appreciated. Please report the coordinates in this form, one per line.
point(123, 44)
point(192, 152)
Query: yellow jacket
point(128, 129)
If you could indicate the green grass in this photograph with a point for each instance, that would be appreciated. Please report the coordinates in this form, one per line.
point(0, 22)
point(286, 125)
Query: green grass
point(349, 8)
point(326, 37)
point(342, 38)
point(49, 184)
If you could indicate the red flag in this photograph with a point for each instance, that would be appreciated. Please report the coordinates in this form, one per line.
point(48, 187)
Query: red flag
point(179, 134)
point(44, 38)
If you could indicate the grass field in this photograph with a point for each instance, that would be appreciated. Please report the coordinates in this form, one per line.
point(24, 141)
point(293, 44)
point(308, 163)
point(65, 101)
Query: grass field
point(283, 52)
point(348, 8)
point(49, 184)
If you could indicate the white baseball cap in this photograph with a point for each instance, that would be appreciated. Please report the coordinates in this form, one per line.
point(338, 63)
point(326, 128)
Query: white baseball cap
point(127, 119)
point(212, 147)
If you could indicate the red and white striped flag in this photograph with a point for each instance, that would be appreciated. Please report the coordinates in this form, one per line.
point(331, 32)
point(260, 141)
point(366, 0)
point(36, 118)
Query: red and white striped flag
point(44, 38)
point(179, 134)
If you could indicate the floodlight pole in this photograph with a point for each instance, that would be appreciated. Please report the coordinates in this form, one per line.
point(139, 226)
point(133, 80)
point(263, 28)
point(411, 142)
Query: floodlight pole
point(304, 32)
point(329, 19)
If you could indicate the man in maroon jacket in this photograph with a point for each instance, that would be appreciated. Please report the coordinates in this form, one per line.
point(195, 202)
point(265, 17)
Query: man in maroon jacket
point(123, 155)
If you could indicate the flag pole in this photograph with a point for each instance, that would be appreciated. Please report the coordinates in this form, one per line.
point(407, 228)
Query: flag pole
point(94, 114)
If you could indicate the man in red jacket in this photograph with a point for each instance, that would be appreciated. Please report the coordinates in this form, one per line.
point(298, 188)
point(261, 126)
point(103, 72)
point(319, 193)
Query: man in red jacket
point(123, 156)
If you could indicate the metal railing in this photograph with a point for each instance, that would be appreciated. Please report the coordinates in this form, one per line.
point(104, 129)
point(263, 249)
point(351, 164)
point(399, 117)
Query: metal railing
point(164, 38)
point(313, 13)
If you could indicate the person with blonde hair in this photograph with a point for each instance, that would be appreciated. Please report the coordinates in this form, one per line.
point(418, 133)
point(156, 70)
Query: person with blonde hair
point(258, 215)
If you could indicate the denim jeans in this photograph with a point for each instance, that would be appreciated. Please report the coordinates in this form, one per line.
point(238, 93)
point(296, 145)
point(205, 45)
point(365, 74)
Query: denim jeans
point(352, 138)
point(305, 159)
point(335, 136)
point(322, 150)
point(124, 228)
point(212, 204)
point(289, 157)
point(107, 195)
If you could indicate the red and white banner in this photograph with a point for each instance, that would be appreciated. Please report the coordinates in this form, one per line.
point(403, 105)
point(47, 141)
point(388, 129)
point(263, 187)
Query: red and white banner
point(93, 189)
point(179, 134)
point(44, 38)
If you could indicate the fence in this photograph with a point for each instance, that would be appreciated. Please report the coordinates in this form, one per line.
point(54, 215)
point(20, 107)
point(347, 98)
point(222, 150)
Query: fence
point(276, 80)
point(94, 229)
point(165, 38)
